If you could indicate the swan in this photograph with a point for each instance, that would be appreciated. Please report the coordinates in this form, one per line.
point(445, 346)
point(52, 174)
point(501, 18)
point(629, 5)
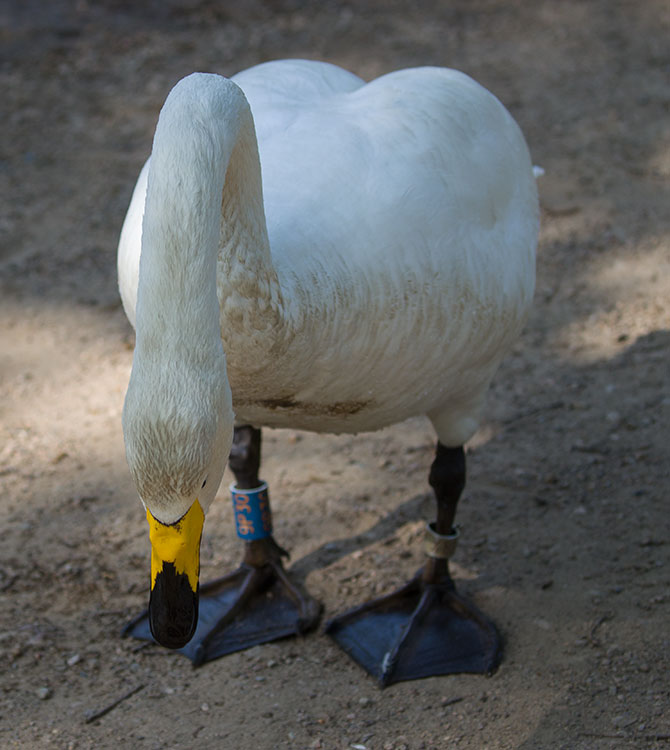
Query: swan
point(303, 249)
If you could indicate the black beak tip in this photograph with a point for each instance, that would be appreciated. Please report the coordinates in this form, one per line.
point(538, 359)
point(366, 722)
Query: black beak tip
point(173, 608)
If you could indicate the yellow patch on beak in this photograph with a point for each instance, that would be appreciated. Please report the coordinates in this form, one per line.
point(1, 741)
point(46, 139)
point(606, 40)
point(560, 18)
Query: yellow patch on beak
point(177, 543)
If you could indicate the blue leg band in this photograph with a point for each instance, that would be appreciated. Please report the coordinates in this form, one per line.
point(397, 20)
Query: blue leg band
point(253, 519)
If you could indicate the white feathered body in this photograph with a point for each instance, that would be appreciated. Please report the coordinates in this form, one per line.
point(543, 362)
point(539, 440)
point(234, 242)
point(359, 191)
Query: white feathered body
point(398, 264)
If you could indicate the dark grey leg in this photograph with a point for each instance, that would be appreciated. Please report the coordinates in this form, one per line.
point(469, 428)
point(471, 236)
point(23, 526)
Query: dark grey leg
point(447, 478)
point(245, 457)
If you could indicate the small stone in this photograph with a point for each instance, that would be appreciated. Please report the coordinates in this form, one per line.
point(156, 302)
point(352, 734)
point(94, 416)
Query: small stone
point(43, 693)
point(364, 701)
point(73, 660)
point(204, 707)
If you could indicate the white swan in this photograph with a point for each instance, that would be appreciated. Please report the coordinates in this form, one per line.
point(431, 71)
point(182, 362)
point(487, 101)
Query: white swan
point(376, 262)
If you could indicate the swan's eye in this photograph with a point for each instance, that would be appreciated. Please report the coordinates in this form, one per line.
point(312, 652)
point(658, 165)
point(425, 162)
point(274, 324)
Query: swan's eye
point(204, 483)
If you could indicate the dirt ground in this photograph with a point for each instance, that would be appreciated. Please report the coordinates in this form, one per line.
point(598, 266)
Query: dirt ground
point(564, 521)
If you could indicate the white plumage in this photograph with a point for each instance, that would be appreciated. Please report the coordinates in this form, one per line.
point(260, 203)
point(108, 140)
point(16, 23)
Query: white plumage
point(381, 270)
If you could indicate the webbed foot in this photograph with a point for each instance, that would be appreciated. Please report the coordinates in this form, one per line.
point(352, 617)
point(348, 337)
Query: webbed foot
point(425, 628)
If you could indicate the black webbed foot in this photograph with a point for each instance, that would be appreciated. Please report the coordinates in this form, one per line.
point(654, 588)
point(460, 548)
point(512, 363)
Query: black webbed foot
point(421, 630)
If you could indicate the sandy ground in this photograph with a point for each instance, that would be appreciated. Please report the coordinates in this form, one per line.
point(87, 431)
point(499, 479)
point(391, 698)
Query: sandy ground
point(564, 520)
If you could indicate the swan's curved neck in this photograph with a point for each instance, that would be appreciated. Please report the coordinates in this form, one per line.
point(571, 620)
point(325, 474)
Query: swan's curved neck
point(204, 220)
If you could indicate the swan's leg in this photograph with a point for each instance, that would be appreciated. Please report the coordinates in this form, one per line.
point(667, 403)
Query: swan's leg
point(426, 628)
point(257, 602)
point(245, 457)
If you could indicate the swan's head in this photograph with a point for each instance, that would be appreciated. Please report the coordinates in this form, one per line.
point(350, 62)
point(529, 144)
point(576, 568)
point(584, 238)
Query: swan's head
point(178, 428)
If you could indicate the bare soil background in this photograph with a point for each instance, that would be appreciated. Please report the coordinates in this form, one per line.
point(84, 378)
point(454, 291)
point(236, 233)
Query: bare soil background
point(564, 520)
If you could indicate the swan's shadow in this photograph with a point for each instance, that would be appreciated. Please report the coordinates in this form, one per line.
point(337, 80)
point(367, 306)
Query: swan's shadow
point(337, 549)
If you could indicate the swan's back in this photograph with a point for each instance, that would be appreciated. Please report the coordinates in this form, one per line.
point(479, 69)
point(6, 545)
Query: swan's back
point(415, 168)
point(279, 91)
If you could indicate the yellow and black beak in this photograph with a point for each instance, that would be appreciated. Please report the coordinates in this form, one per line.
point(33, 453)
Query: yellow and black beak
point(175, 568)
